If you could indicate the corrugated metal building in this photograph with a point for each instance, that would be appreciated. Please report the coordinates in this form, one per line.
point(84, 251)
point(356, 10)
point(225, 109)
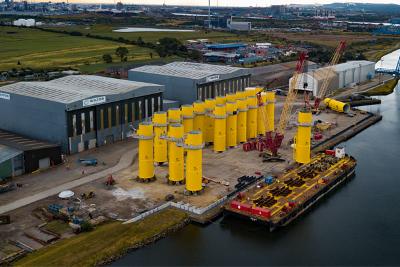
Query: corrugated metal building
point(188, 82)
point(343, 75)
point(78, 112)
point(25, 155)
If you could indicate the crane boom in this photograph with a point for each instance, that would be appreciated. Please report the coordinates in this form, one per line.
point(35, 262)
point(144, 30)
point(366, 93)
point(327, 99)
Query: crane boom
point(329, 71)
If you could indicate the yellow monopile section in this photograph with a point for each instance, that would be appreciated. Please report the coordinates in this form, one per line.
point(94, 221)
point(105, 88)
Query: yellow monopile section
point(220, 128)
point(209, 120)
point(241, 94)
point(337, 106)
point(270, 111)
point(231, 124)
point(231, 97)
point(242, 120)
point(174, 115)
point(252, 117)
point(146, 164)
point(199, 110)
point(187, 118)
point(250, 91)
point(194, 161)
point(175, 147)
point(221, 100)
point(160, 144)
point(302, 146)
point(262, 115)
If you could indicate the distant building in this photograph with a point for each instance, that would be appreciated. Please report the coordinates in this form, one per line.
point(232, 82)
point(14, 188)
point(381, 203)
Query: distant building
point(238, 25)
point(24, 22)
point(188, 82)
point(78, 112)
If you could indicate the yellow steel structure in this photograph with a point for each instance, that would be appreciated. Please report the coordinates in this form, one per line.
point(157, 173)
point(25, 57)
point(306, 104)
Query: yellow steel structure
point(240, 94)
point(252, 117)
point(221, 100)
point(146, 163)
point(261, 115)
point(231, 97)
point(302, 141)
point(176, 155)
point(194, 161)
point(270, 111)
point(174, 115)
point(209, 120)
point(231, 124)
point(187, 117)
point(220, 128)
point(242, 120)
point(337, 106)
point(199, 110)
point(160, 144)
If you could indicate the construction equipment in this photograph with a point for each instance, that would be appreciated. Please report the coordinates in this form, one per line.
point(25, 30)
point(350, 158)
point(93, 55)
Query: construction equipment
point(328, 77)
point(214, 180)
point(88, 195)
point(110, 181)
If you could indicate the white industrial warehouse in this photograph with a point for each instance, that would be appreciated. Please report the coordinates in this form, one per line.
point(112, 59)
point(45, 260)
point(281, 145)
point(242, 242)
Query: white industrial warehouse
point(341, 75)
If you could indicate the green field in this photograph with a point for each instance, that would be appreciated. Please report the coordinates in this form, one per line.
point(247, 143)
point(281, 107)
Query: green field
point(44, 50)
point(107, 30)
point(384, 89)
point(103, 243)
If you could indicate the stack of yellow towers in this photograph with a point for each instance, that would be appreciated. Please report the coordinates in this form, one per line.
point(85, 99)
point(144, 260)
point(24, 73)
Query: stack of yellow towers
point(146, 163)
point(209, 120)
point(221, 100)
point(230, 97)
point(194, 161)
point(231, 124)
point(219, 128)
point(187, 118)
point(270, 108)
point(199, 110)
point(302, 145)
point(176, 155)
point(250, 91)
point(174, 115)
point(252, 117)
point(160, 144)
point(242, 120)
point(261, 115)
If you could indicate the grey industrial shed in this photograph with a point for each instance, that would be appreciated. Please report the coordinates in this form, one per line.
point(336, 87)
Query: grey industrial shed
point(78, 112)
point(188, 82)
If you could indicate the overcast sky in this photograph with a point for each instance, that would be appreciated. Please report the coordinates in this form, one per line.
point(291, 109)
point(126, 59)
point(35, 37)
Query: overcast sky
point(262, 3)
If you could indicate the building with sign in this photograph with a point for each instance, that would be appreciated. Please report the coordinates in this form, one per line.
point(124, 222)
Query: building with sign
point(187, 82)
point(77, 112)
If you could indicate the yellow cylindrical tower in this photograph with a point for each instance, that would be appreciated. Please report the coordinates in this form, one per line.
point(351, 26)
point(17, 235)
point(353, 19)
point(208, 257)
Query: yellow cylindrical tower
point(240, 94)
point(250, 91)
point(302, 141)
point(231, 124)
point(252, 117)
point(174, 115)
point(242, 120)
point(209, 120)
point(336, 105)
point(221, 100)
point(160, 144)
point(199, 110)
point(194, 161)
point(187, 118)
point(231, 97)
point(220, 128)
point(146, 163)
point(176, 158)
point(270, 111)
point(261, 115)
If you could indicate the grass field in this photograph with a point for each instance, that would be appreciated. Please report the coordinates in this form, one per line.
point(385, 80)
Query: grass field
point(103, 243)
point(384, 89)
point(41, 50)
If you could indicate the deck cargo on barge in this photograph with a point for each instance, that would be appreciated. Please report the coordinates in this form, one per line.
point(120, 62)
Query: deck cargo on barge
point(276, 202)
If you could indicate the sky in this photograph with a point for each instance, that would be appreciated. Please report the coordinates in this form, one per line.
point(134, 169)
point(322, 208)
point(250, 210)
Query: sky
point(260, 3)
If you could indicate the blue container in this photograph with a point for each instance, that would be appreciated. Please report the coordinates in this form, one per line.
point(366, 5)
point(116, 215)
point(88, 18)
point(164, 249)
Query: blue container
point(269, 180)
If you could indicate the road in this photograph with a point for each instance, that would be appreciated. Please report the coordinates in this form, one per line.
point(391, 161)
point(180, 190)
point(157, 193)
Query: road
point(124, 162)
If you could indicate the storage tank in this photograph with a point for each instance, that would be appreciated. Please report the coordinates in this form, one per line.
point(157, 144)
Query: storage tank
point(194, 161)
point(187, 118)
point(209, 120)
point(302, 145)
point(176, 154)
point(252, 117)
point(231, 124)
point(146, 161)
point(160, 144)
point(242, 120)
point(199, 111)
point(219, 128)
point(337, 105)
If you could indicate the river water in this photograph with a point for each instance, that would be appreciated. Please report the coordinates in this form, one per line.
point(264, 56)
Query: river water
point(359, 224)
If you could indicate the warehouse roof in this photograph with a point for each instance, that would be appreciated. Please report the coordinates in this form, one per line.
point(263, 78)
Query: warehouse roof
point(74, 88)
point(352, 64)
point(7, 153)
point(188, 70)
point(22, 143)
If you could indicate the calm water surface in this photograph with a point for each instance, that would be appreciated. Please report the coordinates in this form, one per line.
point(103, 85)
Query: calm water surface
point(359, 224)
